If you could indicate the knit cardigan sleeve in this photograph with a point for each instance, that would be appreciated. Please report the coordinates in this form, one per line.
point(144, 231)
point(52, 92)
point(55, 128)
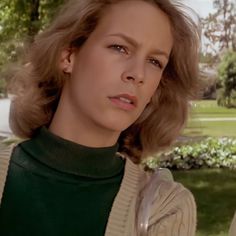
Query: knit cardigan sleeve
point(232, 230)
point(5, 154)
point(172, 206)
point(173, 211)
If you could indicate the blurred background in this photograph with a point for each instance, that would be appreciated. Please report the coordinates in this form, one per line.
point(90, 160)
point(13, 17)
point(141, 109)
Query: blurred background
point(204, 156)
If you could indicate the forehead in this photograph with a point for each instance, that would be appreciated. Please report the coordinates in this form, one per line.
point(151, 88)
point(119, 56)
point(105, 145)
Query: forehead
point(141, 20)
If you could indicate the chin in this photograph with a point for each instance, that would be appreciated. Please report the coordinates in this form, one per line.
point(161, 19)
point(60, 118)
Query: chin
point(117, 122)
point(119, 125)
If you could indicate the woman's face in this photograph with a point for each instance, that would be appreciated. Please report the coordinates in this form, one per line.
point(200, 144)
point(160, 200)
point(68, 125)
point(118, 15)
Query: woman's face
point(118, 69)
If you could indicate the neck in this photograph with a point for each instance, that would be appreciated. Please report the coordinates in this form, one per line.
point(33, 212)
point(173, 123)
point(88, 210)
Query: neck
point(67, 125)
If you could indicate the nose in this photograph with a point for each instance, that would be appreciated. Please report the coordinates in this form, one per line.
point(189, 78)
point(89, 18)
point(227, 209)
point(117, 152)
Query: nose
point(134, 72)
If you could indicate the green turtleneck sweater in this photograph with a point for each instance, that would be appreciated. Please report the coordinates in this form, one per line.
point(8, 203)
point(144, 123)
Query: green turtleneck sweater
point(57, 187)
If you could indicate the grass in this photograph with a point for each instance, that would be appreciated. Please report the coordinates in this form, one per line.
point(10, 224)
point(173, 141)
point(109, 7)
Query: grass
point(209, 109)
point(211, 128)
point(215, 194)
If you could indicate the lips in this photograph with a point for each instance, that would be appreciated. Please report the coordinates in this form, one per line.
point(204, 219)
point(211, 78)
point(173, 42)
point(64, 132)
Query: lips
point(124, 101)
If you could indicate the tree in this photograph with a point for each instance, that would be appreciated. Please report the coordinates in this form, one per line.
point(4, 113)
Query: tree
point(20, 21)
point(220, 28)
point(227, 80)
point(22, 18)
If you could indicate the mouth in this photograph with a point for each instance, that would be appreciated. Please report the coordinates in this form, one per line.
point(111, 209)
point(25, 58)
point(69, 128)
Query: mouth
point(124, 101)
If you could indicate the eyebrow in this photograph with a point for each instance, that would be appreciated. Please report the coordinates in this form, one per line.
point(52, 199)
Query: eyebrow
point(136, 44)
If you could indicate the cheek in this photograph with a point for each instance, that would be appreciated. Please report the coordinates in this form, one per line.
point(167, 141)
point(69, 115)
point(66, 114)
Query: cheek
point(151, 89)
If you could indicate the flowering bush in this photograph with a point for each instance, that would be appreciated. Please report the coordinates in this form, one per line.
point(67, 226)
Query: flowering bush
point(210, 153)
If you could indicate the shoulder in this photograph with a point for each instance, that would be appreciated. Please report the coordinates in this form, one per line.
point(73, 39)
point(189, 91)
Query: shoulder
point(8, 146)
point(160, 184)
point(173, 207)
point(8, 150)
point(171, 191)
point(5, 155)
point(232, 230)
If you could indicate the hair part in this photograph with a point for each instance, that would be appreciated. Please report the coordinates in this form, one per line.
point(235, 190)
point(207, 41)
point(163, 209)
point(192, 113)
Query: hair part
point(38, 84)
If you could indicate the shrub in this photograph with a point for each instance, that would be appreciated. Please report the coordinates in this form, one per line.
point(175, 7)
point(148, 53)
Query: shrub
point(227, 80)
point(208, 153)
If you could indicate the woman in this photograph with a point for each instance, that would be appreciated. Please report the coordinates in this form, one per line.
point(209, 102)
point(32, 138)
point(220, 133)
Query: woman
point(106, 85)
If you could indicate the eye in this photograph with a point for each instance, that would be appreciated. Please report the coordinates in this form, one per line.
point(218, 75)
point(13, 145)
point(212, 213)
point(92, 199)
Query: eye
point(156, 63)
point(119, 48)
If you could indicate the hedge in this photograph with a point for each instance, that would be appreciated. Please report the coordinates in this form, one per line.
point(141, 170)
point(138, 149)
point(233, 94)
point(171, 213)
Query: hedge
point(208, 153)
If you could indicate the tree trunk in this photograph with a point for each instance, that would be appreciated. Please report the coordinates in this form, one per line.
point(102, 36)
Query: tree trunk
point(34, 19)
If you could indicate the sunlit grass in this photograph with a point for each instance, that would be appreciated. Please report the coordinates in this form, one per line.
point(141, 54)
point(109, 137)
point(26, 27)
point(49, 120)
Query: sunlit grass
point(215, 195)
point(216, 128)
point(210, 108)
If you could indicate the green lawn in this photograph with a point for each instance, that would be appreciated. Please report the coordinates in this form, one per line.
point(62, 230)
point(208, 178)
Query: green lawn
point(218, 128)
point(215, 194)
point(214, 190)
point(210, 108)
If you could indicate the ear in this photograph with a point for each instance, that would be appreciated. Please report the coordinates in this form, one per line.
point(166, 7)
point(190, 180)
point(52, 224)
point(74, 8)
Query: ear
point(67, 60)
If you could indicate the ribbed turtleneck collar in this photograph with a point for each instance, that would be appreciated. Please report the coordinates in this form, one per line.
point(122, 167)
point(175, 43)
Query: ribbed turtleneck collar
point(73, 158)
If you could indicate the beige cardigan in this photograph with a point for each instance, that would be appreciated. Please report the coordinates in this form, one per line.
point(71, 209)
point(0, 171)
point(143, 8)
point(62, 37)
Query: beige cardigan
point(172, 213)
point(232, 230)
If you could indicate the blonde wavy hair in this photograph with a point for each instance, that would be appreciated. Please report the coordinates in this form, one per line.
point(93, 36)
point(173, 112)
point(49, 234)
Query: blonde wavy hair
point(38, 84)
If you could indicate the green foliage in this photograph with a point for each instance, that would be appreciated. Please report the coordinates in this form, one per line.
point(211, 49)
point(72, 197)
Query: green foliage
point(48, 10)
point(20, 20)
point(16, 17)
point(207, 58)
point(208, 153)
point(227, 80)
